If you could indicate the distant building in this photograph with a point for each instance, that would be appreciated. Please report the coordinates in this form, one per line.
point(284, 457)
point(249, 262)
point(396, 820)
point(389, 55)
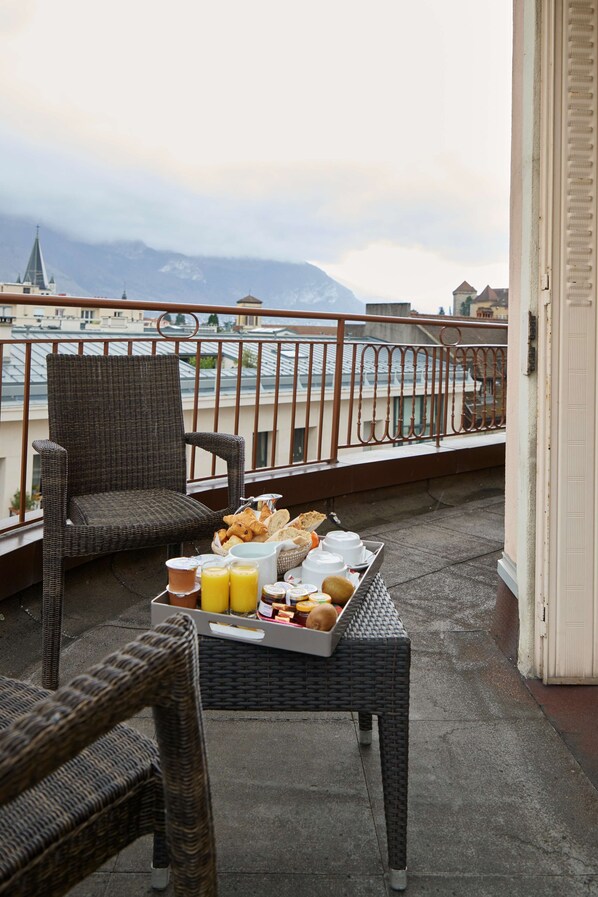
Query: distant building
point(246, 319)
point(35, 282)
point(492, 303)
point(463, 296)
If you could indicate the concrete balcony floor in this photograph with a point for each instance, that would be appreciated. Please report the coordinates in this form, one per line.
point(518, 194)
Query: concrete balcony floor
point(498, 803)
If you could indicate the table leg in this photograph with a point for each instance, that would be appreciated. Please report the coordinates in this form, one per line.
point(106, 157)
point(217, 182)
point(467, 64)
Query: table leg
point(393, 729)
point(365, 728)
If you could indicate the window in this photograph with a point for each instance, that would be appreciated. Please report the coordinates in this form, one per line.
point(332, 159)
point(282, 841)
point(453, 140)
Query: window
point(38, 313)
point(408, 418)
point(87, 314)
point(262, 444)
point(59, 312)
point(299, 444)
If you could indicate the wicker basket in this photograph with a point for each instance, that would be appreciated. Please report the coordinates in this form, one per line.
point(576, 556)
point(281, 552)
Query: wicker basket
point(286, 559)
point(293, 558)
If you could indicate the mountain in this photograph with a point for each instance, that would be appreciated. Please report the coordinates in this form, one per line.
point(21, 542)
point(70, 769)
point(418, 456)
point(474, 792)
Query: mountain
point(103, 269)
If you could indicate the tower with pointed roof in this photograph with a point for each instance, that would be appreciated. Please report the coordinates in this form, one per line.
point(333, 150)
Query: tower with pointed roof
point(35, 273)
point(464, 295)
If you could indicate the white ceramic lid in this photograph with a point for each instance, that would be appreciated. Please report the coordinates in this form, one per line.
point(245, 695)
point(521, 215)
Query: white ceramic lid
point(182, 563)
point(323, 561)
point(341, 539)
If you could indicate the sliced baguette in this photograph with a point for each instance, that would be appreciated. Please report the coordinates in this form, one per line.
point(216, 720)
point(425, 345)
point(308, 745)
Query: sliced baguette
point(309, 521)
point(277, 521)
point(290, 533)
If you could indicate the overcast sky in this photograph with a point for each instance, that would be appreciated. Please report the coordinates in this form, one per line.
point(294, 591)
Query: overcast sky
point(370, 138)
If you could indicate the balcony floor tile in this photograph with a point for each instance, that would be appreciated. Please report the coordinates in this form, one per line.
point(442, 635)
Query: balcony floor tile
point(461, 676)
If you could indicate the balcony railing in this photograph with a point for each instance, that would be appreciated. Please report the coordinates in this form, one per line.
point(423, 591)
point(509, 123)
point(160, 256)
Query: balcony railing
point(297, 400)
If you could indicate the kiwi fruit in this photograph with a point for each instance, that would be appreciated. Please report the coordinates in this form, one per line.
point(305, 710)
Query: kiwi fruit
point(322, 617)
point(339, 589)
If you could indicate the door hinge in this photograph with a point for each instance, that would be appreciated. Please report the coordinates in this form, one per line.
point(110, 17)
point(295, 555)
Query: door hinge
point(532, 335)
point(543, 621)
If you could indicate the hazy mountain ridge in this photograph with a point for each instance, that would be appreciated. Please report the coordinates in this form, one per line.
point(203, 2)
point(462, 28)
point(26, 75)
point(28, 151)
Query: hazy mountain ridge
point(105, 269)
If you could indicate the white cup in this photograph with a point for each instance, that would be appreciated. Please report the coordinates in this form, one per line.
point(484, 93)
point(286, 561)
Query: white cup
point(319, 564)
point(348, 545)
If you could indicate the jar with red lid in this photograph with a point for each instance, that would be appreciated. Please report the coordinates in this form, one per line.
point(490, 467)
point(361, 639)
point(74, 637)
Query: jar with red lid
point(271, 594)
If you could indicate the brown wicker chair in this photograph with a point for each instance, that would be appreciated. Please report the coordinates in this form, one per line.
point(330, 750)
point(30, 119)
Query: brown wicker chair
point(113, 472)
point(76, 787)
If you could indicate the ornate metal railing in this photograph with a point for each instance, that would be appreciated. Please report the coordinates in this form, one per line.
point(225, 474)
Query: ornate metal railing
point(296, 399)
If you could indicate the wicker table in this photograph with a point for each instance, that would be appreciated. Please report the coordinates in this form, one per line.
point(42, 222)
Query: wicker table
point(368, 673)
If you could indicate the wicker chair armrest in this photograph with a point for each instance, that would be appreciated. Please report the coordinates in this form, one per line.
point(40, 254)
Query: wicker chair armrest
point(54, 472)
point(160, 668)
point(47, 448)
point(64, 722)
point(232, 450)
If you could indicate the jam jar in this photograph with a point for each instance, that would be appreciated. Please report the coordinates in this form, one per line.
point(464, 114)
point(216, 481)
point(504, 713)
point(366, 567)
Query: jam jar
point(302, 610)
point(297, 594)
point(271, 594)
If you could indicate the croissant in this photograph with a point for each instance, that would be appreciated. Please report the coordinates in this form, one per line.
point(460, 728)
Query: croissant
point(243, 532)
point(257, 528)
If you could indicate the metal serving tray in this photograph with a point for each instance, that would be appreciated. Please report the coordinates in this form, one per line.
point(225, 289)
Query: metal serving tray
point(276, 635)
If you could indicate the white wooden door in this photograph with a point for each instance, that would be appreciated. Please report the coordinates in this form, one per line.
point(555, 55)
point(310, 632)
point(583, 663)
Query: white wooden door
point(567, 386)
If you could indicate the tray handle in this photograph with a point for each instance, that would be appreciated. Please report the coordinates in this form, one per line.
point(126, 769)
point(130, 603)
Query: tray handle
point(243, 633)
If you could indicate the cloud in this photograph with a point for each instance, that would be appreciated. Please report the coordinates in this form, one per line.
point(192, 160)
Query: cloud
point(326, 133)
point(287, 212)
point(390, 272)
point(16, 16)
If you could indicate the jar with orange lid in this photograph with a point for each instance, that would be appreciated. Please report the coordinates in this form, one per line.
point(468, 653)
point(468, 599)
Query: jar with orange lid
point(302, 610)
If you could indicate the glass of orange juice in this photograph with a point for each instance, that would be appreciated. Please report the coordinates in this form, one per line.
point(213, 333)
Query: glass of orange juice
point(214, 589)
point(243, 588)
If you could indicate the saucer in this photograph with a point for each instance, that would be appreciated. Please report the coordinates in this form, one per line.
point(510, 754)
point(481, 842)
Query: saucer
point(367, 560)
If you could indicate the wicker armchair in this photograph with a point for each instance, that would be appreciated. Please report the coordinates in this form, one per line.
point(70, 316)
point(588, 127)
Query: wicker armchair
point(76, 787)
point(113, 472)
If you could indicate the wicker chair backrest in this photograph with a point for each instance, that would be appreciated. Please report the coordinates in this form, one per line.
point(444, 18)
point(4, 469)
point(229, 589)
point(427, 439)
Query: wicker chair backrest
point(120, 418)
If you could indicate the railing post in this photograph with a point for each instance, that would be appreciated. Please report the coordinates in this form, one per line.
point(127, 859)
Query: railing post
point(25, 434)
point(338, 385)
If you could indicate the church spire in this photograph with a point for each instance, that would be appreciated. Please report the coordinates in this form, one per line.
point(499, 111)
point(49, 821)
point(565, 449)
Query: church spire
point(35, 273)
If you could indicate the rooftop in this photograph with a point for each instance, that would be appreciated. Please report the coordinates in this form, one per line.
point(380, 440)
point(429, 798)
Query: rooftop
point(369, 361)
point(503, 793)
